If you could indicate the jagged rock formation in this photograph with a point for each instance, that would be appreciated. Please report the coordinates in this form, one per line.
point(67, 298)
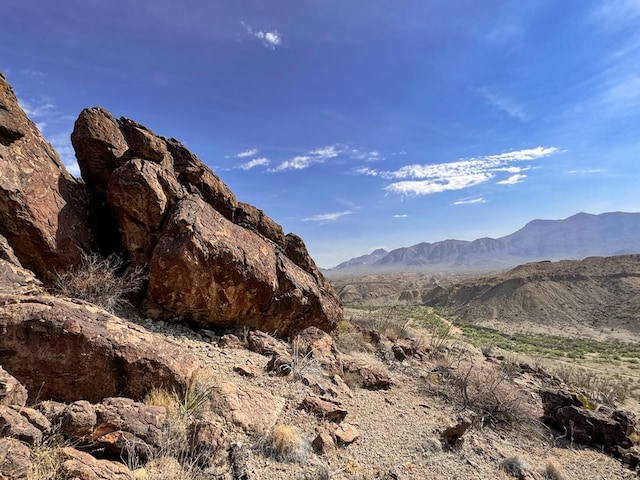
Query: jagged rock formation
point(43, 209)
point(211, 259)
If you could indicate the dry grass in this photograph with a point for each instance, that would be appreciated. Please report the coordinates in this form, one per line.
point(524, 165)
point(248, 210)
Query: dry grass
point(46, 459)
point(102, 281)
point(284, 444)
point(554, 471)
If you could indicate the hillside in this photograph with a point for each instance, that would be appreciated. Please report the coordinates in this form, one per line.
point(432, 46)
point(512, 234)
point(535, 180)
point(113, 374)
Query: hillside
point(579, 236)
point(594, 295)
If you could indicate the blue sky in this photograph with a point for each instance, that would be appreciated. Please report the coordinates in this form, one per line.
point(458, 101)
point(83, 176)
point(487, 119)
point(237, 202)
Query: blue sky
point(358, 124)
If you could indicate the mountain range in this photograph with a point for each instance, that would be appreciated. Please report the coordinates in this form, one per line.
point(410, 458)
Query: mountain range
point(576, 237)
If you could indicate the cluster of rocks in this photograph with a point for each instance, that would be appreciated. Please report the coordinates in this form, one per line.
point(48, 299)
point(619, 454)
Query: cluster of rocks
point(209, 258)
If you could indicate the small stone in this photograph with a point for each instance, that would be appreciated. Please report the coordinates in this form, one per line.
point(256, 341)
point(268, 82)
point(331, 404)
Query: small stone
point(346, 433)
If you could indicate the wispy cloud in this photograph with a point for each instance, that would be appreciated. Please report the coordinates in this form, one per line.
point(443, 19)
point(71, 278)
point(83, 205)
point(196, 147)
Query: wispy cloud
point(270, 39)
point(614, 14)
point(370, 172)
point(434, 178)
point(470, 201)
point(301, 162)
point(504, 104)
point(401, 215)
point(256, 162)
point(512, 180)
point(247, 153)
point(327, 217)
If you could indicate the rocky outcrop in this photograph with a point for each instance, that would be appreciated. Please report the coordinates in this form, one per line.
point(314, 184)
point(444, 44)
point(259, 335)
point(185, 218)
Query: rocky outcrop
point(211, 259)
point(612, 430)
point(116, 427)
point(43, 209)
point(69, 350)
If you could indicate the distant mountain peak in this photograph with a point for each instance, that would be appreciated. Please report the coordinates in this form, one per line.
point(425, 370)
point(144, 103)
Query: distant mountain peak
point(576, 237)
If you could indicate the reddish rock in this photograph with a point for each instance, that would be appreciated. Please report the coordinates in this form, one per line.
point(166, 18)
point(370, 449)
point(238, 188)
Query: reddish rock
point(43, 209)
point(248, 370)
point(216, 273)
point(78, 419)
point(12, 392)
point(319, 346)
point(346, 433)
point(370, 378)
point(453, 436)
point(139, 195)
point(324, 443)
point(36, 418)
point(206, 438)
point(15, 459)
point(252, 408)
point(79, 465)
point(324, 408)
point(56, 347)
point(613, 430)
point(265, 344)
point(14, 425)
point(192, 172)
point(15, 279)
point(230, 341)
point(174, 214)
point(250, 217)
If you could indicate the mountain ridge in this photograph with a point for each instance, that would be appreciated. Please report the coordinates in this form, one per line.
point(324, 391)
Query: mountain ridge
point(578, 236)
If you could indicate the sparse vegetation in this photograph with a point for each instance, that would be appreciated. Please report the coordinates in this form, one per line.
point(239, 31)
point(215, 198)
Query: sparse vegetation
point(285, 444)
point(46, 459)
point(103, 281)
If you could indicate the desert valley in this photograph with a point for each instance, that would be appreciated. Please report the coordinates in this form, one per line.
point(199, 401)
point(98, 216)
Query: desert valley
point(153, 326)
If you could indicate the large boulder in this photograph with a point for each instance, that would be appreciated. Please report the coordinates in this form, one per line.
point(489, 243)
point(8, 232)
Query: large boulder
point(212, 260)
point(43, 209)
point(68, 350)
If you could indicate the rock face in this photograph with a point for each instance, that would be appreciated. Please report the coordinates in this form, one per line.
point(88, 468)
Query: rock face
point(43, 209)
point(211, 259)
point(58, 348)
point(611, 430)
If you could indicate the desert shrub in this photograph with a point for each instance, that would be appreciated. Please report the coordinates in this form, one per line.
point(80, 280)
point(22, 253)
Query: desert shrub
point(485, 390)
point(514, 466)
point(103, 281)
point(301, 361)
point(553, 471)
point(284, 444)
point(46, 459)
point(608, 390)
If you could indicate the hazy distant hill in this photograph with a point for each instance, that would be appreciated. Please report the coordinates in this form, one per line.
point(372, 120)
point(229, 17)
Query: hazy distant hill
point(579, 236)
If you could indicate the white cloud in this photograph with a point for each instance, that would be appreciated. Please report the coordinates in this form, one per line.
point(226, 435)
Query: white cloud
point(327, 217)
point(512, 180)
point(270, 39)
point(470, 202)
point(435, 178)
point(247, 153)
point(371, 172)
point(401, 215)
point(427, 187)
point(319, 155)
point(256, 162)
